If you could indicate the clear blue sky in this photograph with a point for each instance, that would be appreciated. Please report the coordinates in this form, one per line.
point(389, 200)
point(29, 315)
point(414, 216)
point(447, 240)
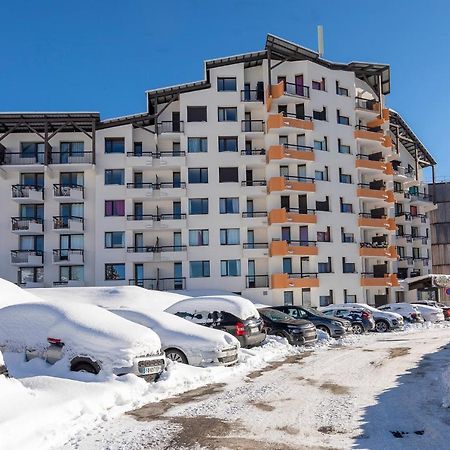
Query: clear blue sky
point(101, 55)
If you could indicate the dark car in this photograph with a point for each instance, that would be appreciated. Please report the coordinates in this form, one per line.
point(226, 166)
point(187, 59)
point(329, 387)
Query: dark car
point(445, 308)
point(297, 332)
point(361, 319)
point(333, 326)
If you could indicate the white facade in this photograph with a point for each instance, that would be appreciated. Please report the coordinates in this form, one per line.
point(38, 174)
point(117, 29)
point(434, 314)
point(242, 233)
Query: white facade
point(283, 245)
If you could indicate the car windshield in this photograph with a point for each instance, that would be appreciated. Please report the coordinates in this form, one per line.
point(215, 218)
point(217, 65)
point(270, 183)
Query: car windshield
point(314, 312)
point(276, 316)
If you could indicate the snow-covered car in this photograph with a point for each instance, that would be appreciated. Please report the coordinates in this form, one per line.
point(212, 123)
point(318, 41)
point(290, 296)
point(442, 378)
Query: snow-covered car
point(430, 313)
point(445, 308)
point(406, 310)
point(237, 316)
point(361, 318)
point(384, 320)
point(81, 337)
point(3, 370)
point(186, 342)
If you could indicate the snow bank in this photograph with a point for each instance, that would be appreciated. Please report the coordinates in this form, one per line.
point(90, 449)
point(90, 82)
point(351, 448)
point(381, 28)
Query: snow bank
point(84, 329)
point(238, 306)
point(11, 294)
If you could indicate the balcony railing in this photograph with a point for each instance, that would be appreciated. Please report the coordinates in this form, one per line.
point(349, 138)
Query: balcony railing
point(372, 157)
point(301, 243)
point(63, 190)
point(19, 158)
point(146, 283)
point(368, 104)
point(407, 216)
point(381, 244)
point(256, 281)
point(256, 152)
point(169, 126)
point(408, 237)
point(373, 274)
point(22, 256)
point(302, 274)
point(369, 215)
point(249, 126)
point(254, 214)
point(300, 179)
point(301, 210)
point(408, 259)
point(373, 186)
point(161, 284)
point(140, 185)
point(65, 254)
point(254, 183)
point(23, 190)
point(23, 223)
point(63, 222)
point(157, 186)
point(366, 128)
point(422, 217)
point(156, 217)
point(299, 90)
point(138, 153)
point(252, 95)
point(301, 148)
point(157, 249)
point(420, 196)
point(70, 158)
point(297, 116)
point(169, 153)
point(255, 245)
point(423, 238)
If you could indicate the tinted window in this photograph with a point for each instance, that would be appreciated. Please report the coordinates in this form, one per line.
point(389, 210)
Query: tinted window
point(198, 206)
point(199, 175)
point(226, 84)
point(228, 175)
point(228, 144)
point(114, 145)
point(197, 114)
point(114, 176)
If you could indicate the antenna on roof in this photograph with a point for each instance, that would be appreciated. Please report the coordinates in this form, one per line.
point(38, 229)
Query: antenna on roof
point(320, 39)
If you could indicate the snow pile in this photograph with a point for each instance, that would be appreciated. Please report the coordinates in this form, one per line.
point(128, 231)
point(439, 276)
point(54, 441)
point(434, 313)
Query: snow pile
point(11, 294)
point(84, 329)
point(233, 304)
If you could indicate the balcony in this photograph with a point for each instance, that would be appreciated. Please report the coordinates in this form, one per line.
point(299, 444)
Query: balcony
point(368, 279)
point(292, 215)
point(364, 104)
point(255, 218)
point(27, 257)
point(252, 128)
point(68, 224)
point(168, 189)
point(369, 250)
point(368, 220)
point(373, 163)
point(151, 221)
point(172, 252)
point(171, 127)
point(26, 225)
point(146, 283)
point(404, 237)
point(291, 152)
point(22, 159)
point(297, 248)
point(372, 134)
point(159, 284)
point(252, 96)
point(170, 158)
point(256, 281)
point(254, 156)
point(419, 218)
point(291, 183)
point(254, 187)
point(422, 199)
point(66, 192)
point(68, 256)
point(255, 249)
point(140, 159)
point(23, 193)
point(286, 123)
point(403, 217)
point(294, 280)
point(286, 89)
point(423, 239)
point(375, 190)
point(74, 158)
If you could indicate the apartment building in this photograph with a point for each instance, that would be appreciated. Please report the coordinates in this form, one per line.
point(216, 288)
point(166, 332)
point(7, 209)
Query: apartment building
point(281, 176)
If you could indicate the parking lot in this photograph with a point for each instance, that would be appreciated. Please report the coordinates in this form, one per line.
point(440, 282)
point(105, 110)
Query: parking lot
point(376, 391)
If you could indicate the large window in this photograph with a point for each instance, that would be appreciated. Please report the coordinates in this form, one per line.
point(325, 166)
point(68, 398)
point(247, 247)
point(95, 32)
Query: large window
point(226, 84)
point(198, 206)
point(228, 175)
point(344, 177)
point(32, 179)
point(229, 236)
point(199, 269)
point(114, 176)
point(199, 175)
point(114, 145)
point(198, 238)
point(71, 178)
point(71, 273)
point(32, 150)
point(230, 267)
point(342, 120)
point(228, 144)
point(197, 145)
point(229, 205)
point(348, 267)
point(115, 271)
point(114, 239)
point(197, 114)
point(227, 114)
point(114, 208)
point(31, 275)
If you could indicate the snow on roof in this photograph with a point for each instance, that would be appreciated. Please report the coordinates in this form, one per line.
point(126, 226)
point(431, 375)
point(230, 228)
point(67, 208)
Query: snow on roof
point(11, 294)
point(84, 329)
point(234, 304)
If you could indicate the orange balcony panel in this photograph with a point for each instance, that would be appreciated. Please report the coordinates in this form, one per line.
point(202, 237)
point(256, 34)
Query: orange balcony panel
point(268, 101)
point(371, 135)
point(389, 280)
point(387, 142)
point(282, 280)
point(281, 248)
point(280, 152)
point(281, 216)
point(385, 114)
point(279, 121)
point(376, 122)
point(387, 196)
point(390, 252)
point(388, 223)
point(389, 169)
point(369, 164)
point(277, 184)
point(278, 90)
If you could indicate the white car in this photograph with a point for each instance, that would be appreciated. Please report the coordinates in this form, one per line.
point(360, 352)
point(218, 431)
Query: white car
point(430, 313)
point(82, 337)
point(384, 320)
point(408, 311)
point(186, 342)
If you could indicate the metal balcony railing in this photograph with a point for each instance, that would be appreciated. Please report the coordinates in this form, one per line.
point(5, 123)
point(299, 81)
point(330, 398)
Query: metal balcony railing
point(23, 190)
point(63, 190)
point(256, 281)
point(255, 152)
point(70, 158)
point(169, 126)
point(252, 95)
point(251, 126)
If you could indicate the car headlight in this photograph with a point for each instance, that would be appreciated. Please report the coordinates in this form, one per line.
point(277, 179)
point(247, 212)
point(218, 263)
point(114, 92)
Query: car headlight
point(337, 324)
point(294, 330)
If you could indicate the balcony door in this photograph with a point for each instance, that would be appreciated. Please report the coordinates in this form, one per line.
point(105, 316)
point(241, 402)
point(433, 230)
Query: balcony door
point(303, 234)
point(285, 202)
point(299, 89)
point(300, 111)
point(302, 204)
point(250, 238)
point(175, 121)
point(287, 265)
point(286, 233)
point(251, 271)
point(301, 171)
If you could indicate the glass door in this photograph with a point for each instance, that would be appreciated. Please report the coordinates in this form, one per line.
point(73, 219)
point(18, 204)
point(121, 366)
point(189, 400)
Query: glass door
point(177, 241)
point(251, 271)
point(250, 239)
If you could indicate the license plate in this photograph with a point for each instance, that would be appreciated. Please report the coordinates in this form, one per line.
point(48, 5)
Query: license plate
point(254, 330)
point(149, 370)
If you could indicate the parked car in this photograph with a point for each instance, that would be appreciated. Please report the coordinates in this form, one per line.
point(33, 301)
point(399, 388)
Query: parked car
point(360, 318)
point(236, 316)
point(186, 342)
point(430, 313)
point(3, 369)
point(445, 308)
point(85, 338)
point(333, 326)
point(409, 312)
point(384, 320)
point(296, 331)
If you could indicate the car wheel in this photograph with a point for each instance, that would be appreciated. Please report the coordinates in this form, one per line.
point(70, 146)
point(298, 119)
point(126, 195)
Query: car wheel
point(283, 335)
point(357, 328)
point(381, 326)
point(323, 328)
point(84, 367)
point(176, 355)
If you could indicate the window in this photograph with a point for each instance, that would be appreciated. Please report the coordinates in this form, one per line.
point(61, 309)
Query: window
point(31, 275)
point(115, 271)
point(227, 114)
point(198, 238)
point(416, 253)
point(348, 267)
point(342, 120)
point(68, 149)
point(198, 175)
point(197, 144)
point(322, 175)
point(197, 114)
point(414, 231)
point(114, 145)
point(230, 236)
point(324, 267)
point(344, 178)
point(137, 148)
point(324, 236)
point(226, 84)
point(34, 179)
point(228, 144)
point(398, 186)
point(199, 269)
point(325, 300)
point(69, 179)
point(401, 251)
point(114, 176)
point(320, 115)
point(230, 267)
point(228, 175)
point(346, 207)
point(347, 237)
point(321, 145)
point(319, 85)
point(229, 205)
point(32, 150)
point(114, 208)
point(71, 273)
point(198, 206)
point(340, 90)
point(323, 205)
point(288, 297)
point(349, 298)
point(343, 148)
point(114, 239)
